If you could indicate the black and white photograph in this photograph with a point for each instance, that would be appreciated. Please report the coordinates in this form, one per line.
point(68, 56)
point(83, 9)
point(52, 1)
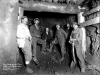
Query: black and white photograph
point(49, 37)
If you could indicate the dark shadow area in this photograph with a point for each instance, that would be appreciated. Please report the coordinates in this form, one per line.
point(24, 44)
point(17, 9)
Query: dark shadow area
point(49, 62)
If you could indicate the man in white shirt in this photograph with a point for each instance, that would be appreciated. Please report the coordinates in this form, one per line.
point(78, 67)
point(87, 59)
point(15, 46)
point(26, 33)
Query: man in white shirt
point(24, 42)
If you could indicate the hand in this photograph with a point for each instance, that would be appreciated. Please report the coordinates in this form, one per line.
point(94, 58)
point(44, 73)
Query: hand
point(53, 42)
point(30, 38)
point(38, 36)
point(71, 40)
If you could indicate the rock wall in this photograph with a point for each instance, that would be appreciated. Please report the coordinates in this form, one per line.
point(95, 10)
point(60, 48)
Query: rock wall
point(8, 26)
point(93, 46)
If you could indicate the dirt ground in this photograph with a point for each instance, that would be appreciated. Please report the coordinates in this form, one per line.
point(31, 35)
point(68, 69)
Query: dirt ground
point(50, 65)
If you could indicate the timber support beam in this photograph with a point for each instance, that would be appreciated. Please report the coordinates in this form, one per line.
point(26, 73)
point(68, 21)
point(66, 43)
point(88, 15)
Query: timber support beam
point(49, 7)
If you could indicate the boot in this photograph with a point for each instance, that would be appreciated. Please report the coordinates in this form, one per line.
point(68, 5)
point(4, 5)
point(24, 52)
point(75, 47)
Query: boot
point(83, 70)
point(29, 70)
point(35, 60)
point(61, 59)
point(43, 51)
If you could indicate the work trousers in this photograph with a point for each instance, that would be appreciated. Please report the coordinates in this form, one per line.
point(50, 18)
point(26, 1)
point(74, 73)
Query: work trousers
point(34, 44)
point(27, 50)
point(61, 42)
point(78, 48)
point(62, 46)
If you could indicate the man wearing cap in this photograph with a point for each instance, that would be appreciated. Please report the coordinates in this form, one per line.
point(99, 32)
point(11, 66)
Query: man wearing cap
point(36, 38)
point(24, 42)
point(60, 37)
point(68, 31)
point(77, 38)
point(47, 37)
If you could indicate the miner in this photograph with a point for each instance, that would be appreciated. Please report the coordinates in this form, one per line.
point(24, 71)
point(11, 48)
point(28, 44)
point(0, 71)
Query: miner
point(68, 31)
point(60, 37)
point(76, 38)
point(36, 38)
point(24, 42)
point(47, 37)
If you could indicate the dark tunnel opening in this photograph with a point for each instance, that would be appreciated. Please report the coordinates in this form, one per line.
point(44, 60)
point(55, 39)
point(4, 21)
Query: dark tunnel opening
point(49, 62)
point(49, 19)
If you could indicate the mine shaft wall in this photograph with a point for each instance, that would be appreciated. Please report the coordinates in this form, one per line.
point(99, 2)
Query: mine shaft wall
point(93, 51)
point(8, 28)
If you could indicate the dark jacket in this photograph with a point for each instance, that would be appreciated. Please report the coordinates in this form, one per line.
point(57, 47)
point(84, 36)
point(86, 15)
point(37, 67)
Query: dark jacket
point(34, 32)
point(60, 36)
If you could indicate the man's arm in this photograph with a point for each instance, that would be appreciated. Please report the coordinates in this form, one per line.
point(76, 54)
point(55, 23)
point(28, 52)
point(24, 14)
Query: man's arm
point(28, 34)
point(71, 40)
point(80, 35)
point(55, 40)
point(64, 33)
point(18, 31)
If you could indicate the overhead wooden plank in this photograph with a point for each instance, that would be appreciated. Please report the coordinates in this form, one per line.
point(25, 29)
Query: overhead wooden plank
point(50, 7)
point(91, 22)
point(78, 1)
point(92, 11)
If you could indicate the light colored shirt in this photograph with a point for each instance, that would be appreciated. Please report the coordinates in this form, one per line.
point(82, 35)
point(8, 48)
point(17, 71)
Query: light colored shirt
point(77, 34)
point(22, 34)
point(80, 36)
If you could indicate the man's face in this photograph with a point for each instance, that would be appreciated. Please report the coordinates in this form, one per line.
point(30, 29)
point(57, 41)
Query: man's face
point(68, 26)
point(47, 29)
point(25, 20)
point(58, 26)
point(75, 26)
point(98, 31)
point(36, 21)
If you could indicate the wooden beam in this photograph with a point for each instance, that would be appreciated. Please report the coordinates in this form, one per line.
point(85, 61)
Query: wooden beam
point(50, 7)
point(90, 22)
point(79, 1)
point(92, 11)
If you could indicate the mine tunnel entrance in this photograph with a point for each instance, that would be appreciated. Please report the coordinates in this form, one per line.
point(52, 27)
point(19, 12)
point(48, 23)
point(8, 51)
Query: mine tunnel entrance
point(49, 62)
point(50, 19)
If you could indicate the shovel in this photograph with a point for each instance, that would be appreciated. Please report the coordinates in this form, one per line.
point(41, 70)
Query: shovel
point(73, 63)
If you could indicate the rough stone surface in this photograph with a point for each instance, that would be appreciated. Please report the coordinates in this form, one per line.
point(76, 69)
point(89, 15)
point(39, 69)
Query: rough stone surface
point(8, 25)
point(93, 59)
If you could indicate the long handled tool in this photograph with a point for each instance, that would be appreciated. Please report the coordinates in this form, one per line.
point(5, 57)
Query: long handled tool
point(73, 51)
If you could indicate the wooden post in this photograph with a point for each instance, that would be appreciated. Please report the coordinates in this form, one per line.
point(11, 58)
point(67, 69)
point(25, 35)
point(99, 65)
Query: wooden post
point(20, 13)
point(81, 18)
point(50, 7)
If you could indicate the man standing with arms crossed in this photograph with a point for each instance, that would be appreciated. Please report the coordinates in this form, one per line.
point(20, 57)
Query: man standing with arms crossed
point(24, 41)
